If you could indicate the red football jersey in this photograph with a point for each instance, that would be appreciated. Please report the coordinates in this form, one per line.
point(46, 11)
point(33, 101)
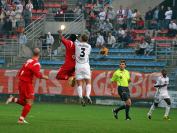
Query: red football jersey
point(70, 52)
point(30, 69)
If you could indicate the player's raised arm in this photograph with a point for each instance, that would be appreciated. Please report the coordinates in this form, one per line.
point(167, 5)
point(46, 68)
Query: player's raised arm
point(67, 42)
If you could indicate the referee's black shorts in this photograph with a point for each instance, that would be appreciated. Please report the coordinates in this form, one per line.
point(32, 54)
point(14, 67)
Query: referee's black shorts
point(124, 93)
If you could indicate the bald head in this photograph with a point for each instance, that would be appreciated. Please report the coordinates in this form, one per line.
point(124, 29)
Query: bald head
point(36, 52)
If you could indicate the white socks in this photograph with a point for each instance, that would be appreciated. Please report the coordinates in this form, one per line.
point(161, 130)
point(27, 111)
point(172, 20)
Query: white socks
point(88, 90)
point(151, 109)
point(167, 110)
point(79, 91)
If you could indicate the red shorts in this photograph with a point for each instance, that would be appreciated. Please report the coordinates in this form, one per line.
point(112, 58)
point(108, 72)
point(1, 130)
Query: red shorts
point(26, 90)
point(65, 72)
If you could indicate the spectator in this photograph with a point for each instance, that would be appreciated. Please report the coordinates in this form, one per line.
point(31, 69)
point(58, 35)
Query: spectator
point(102, 54)
point(121, 33)
point(172, 29)
point(120, 16)
point(154, 25)
point(148, 36)
point(161, 18)
point(100, 40)
point(127, 39)
point(59, 16)
point(156, 14)
point(92, 19)
point(35, 4)
point(19, 8)
point(22, 42)
point(64, 6)
point(14, 26)
point(77, 11)
point(111, 40)
point(141, 47)
point(27, 15)
point(135, 16)
point(29, 6)
point(22, 39)
point(2, 15)
point(129, 18)
point(140, 23)
point(41, 4)
point(107, 26)
point(102, 15)
point(168, 16)
point(20, 25)
point(7, 28)
point(111, 14)
point(148, 17)
point(150, 48)
point(49, 43)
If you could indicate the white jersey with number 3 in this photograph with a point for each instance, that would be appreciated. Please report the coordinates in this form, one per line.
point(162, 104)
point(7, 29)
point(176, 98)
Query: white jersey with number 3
point(82, 53)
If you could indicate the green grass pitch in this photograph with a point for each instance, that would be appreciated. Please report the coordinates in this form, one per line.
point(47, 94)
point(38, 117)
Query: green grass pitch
point(67, 118)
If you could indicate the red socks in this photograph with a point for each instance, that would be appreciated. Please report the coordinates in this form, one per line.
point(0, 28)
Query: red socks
point(26, 110)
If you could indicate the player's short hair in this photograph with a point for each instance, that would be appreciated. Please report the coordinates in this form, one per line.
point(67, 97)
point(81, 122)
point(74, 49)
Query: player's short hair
point(36, 52)
point(73, 37)
point(84, 38)
point(164, 71)
point(123, 61)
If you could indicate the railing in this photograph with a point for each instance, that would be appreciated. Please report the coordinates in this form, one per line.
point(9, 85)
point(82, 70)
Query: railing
point(9, 51)
point(36, 28)
point(73, 26)
point(165, 51)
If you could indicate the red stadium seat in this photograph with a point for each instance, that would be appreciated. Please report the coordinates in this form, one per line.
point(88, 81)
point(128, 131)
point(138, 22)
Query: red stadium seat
point(132, 45)
point(164, 45)
point(36, 17)
point(2, 43)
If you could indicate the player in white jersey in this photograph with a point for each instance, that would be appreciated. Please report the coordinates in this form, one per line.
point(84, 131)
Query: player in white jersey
point(82, 68)
point(161, 94)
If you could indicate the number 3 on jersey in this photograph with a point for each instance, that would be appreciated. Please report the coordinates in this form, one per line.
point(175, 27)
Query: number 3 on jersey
point(82, 52)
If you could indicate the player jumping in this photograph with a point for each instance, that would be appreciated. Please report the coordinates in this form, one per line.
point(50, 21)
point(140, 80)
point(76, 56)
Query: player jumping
point(67, 70)
point(26, 90)
point(83, 73)
point(161, 94)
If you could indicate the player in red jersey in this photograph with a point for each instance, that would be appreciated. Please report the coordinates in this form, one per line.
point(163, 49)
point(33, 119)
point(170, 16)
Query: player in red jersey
point(26, 90)
point(67, 70)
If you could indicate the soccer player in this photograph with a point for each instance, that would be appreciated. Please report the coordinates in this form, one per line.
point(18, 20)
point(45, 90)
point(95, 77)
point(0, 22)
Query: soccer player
point(122, 78)
point(26, 90)
point(83, 73)
point(161, 94)
point(67, 70)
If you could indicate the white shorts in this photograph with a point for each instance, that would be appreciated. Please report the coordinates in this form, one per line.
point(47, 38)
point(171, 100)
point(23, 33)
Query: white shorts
point(161, 96)
point(82, 71)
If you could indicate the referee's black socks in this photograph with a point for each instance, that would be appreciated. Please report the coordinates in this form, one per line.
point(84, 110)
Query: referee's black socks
point(127, 108)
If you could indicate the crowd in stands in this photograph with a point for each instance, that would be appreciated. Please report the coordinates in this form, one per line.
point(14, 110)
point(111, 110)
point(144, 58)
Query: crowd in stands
point(116, 28)
point(107, 27)
point(15, 15)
